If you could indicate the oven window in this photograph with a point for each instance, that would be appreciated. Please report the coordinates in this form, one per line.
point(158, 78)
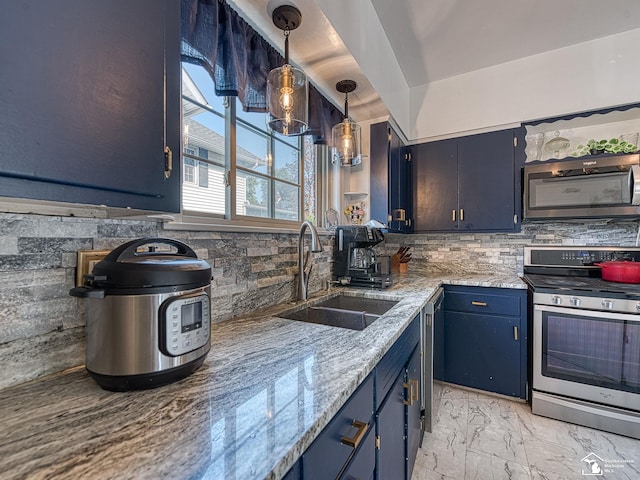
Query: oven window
point(599, 352)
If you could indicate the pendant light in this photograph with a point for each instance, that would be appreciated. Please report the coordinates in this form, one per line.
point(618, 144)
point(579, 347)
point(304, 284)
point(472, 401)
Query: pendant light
point(287, 86)
point(346, 135)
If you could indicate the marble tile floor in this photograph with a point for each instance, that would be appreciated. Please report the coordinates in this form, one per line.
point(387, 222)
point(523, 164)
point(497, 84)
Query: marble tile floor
point(484, 437)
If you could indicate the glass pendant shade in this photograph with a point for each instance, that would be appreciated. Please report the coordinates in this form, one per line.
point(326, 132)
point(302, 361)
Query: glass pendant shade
point(287, 94)
point(346, 141)
point(345, 136)
point(287, 86)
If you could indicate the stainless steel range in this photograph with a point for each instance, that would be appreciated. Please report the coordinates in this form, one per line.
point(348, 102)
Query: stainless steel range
point(586, 338)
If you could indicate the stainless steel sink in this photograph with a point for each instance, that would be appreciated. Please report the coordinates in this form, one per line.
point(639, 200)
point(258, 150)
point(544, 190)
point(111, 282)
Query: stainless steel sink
point(369, 305)
point(355, 313)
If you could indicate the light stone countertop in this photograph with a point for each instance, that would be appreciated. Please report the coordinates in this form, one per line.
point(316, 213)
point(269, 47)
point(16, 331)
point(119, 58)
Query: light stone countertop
point(267, 388)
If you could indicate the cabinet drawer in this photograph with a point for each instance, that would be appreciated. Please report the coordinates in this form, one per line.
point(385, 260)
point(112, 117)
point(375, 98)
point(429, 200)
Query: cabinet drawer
point(362, 467)
point(329, 444)
point(389, 367)
point(481, 300)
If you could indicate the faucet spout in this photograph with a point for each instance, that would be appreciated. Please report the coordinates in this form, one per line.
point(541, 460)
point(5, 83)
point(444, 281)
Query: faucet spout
point(303, 271)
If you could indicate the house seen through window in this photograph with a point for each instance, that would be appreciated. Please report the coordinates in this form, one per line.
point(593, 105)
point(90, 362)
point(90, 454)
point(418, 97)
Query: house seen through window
point(261, 176)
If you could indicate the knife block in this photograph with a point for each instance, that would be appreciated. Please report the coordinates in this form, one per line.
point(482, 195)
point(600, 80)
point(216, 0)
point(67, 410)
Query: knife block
point(396, 266)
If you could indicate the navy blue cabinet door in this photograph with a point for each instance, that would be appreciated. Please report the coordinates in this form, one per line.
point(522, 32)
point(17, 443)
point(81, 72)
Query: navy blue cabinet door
point(362, 467)
point(436, 186)
point(486, 181)
point(481, 351)
point(391, 430)
point(414, 430)
point(91, 97)
point(379, 171)
point(467, 184)
point(390, 179)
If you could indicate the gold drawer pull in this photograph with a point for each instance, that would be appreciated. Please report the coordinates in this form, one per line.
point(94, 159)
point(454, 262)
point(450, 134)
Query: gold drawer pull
point(479, 304)
point(354, 441)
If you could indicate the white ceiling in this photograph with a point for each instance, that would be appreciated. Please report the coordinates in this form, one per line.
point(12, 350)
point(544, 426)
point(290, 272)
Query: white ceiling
point(437, 39)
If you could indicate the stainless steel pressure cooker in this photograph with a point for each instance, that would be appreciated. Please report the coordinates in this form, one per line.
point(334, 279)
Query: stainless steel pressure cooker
point(148, 314)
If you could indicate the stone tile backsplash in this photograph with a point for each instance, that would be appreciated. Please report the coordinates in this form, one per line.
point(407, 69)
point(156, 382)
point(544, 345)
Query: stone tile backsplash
point(503, 252)
point(42, 327)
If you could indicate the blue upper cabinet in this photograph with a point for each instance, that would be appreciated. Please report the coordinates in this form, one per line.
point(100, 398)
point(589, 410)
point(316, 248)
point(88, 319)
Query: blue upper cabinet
point(468, 184)
point(391, 181)
point(90, 100)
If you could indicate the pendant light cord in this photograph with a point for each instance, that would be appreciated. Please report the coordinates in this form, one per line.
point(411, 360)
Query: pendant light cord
point(286, 44)
point(346, 106)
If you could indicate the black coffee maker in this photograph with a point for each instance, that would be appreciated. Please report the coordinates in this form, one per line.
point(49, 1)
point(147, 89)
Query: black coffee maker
point(354, 261)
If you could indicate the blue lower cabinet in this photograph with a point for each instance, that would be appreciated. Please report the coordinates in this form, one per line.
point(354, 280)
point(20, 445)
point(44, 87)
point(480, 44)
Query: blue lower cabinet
point(398, 417)
point(414, 417)
point(485, 339)
point(390, 421)
point(376, 434)
point(341, 442)
point(362, 466)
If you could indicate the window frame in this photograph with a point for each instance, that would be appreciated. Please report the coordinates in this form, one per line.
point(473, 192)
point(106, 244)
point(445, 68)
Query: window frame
point(231, 220)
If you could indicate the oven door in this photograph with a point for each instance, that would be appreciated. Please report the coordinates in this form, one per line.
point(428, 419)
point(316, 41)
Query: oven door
point(587, 355)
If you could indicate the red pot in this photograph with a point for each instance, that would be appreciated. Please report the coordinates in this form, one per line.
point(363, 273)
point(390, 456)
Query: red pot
point(620, 271)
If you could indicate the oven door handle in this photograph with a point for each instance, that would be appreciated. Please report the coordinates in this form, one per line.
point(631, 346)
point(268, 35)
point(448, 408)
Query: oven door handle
point(596, 314)
point(634, 184)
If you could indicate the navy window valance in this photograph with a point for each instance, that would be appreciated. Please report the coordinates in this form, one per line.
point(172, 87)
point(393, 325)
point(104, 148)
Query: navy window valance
point(239, 60)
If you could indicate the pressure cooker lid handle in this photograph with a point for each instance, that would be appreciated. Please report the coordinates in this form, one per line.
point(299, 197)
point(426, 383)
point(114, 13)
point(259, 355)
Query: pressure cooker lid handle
point(129, 250)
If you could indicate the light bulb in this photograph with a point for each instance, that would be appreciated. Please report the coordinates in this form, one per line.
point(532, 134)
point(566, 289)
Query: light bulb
point(347, 139)
point(286, 88)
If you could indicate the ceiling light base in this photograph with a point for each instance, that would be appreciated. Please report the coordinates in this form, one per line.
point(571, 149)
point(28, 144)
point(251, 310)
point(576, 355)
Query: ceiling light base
point(346, 86)
point(286, 17)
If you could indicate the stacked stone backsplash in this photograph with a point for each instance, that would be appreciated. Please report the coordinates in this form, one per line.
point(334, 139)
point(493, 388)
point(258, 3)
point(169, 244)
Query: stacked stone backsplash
point(42, 327)
point(503, 252)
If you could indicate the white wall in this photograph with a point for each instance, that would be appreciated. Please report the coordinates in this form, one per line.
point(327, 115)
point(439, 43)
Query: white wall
point(587, 76)
point(357, 24)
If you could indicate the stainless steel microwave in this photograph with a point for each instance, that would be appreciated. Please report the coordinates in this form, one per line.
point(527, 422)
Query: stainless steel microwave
point(583, 188)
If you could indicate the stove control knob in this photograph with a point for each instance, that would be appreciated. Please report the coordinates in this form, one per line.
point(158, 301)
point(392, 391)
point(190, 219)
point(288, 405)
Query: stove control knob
point(575, 301)
point(556, 300)
point(607, 304)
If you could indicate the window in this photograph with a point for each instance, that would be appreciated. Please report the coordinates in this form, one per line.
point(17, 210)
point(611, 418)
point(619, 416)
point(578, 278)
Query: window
point(261, 177)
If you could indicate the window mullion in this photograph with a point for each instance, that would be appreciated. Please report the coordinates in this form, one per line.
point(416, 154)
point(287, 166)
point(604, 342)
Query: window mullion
point(272, 182)
point(230, 157)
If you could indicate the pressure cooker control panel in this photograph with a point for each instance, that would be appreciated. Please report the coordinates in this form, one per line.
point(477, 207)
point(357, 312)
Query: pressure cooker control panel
point(185, 324)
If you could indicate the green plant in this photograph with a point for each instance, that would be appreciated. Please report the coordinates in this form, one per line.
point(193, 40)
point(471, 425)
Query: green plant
point(613, 145)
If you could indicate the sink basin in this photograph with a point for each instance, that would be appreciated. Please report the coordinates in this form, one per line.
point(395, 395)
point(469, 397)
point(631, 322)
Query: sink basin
point(359, 304)
point(355, 313)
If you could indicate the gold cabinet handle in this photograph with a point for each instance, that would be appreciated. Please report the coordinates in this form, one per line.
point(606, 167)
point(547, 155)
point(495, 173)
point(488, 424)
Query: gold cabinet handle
point(453, 215)
point(415, 382)
point(168, 161)
point(462, 214)
point(413, 394)
point(400, 215)
point(354, 441)
point(408, 386)
point(515, 333)
point(479, 304)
